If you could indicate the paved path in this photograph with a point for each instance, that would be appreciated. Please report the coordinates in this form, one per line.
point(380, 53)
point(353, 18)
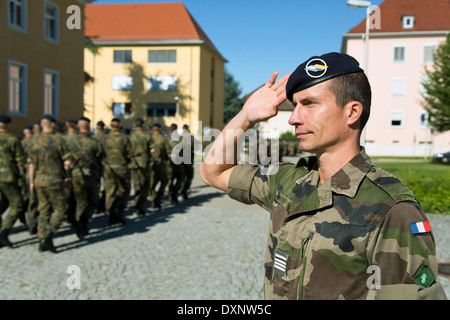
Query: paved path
point(209, 247)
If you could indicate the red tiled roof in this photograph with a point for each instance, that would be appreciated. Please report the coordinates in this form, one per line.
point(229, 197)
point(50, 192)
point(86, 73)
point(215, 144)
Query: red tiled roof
point(429, 15)
point(142, 22)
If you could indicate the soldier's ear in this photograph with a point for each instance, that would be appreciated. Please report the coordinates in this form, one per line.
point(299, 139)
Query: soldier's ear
point(353, 111)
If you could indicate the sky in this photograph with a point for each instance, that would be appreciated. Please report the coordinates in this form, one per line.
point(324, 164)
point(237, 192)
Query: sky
point(259, 37)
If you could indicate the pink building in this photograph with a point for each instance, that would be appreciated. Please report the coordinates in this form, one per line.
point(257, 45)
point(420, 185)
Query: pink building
point(398, 52)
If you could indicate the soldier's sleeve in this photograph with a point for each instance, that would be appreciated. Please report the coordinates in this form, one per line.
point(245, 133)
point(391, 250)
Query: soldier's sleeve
point(405, 256)
point(253, 184)
point(19, 153)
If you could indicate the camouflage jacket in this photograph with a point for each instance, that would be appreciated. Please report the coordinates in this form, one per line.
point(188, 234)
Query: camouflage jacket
point(141, 142)
point(11, 153)
point(47, 153)
point(87, 154)
point(117, 147)
point(348, 238)
point(162, 148)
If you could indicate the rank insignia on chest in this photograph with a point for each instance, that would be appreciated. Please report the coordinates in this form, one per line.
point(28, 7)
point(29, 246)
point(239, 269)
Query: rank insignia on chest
point(280, 262)
point(420, 227)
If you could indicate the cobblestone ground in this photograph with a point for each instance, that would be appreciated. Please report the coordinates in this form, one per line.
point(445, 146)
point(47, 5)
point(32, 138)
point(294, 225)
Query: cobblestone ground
point(208, 247)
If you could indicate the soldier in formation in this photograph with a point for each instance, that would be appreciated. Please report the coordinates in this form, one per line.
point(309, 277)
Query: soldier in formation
point(50, 176)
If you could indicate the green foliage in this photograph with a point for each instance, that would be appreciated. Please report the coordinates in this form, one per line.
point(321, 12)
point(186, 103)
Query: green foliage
point(288, 135)
point(232, 102)
point(428, 181)
point(437, 89)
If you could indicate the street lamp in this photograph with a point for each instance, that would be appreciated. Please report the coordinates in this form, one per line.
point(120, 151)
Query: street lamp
point(355, 4)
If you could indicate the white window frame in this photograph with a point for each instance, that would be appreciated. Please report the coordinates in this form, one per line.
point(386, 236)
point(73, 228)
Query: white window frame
point(122, 83)
point(399, 45)
point(55, 86)
point(394, 91)
point(164, 107)
point(23, 89)
point(408, 22)
point(56, 7)
point(23, 23)
point(123, 112)
point(428, 44)
point(393, 117)
point(114, 51)
point(425, 124)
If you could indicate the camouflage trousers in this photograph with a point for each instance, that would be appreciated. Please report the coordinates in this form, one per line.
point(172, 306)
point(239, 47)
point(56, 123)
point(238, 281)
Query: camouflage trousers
point(189, 175)
point(86, 190)
point(176, 177)
point(141, 185)
point(11, 196)
point(117, 189)
point(158, 175)
point(52, 207)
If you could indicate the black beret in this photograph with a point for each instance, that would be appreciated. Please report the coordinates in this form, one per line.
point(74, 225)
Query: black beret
point(139, 121)
point(72, 121)
point(28, 127)
point(5, 118)
point(101, 123)
point(116, 120)
point(49, 117)
point(318, 69)
point(157, 125)
point(84, 119)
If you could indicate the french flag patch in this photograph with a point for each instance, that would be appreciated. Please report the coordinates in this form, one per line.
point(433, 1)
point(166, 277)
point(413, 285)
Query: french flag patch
point(420, 227)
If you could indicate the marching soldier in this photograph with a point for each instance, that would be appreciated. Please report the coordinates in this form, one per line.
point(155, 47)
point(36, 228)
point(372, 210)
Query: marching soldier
point(188, 166)
point(118, 150)
point(160, 154)
point(175, 172)
point(30, 202)
point(12, 156)
point(86, 170)
point(140, 164)
point(100, 132)
point(71, 126)
point(49, 163)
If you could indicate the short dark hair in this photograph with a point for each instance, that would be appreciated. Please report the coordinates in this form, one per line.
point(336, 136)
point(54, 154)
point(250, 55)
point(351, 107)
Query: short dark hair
point(353, 87)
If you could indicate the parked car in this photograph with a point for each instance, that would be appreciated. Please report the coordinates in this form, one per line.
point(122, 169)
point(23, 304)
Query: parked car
point(442, 157)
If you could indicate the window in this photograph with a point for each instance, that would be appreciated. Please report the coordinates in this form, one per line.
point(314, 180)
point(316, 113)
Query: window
point(423, 119)
point(408, 22)
point(51, 91)
point(429, 50)
point(159, 110)
point(396, 118)
point(398, 86)
point(17, 14)
point(162, 83)
point(51, 22)
point(124, 83)
point(122, 109)
point(123, 56)
point(162, 56)
point(17, 75)
point(399, 52)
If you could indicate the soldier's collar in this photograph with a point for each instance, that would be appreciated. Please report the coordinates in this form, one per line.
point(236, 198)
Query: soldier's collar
point(347, 180)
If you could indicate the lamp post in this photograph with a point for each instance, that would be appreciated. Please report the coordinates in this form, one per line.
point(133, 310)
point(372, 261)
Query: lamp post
point(355, 4)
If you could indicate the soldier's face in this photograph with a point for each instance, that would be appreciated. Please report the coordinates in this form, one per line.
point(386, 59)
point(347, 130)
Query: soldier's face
point(320, 124)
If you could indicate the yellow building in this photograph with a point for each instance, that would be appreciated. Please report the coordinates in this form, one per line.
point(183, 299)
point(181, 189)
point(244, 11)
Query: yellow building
point(41, 60)
point(153, 62)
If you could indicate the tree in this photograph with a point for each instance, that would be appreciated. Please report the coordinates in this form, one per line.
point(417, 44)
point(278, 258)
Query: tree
point(232, 101)
point(437, 89)
point(90, 45)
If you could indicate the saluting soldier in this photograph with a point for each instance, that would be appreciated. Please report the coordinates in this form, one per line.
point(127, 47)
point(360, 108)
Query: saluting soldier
point(12, 156)
point(49, 173)
point(160, 154)
point(118, 151)
point(86, 170)
point(141, 141)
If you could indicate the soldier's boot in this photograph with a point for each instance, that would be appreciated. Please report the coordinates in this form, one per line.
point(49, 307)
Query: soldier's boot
point(4, 241)
point(46, 243)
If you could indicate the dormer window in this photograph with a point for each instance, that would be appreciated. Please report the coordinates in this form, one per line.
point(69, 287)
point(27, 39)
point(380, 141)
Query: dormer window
point(408, 22)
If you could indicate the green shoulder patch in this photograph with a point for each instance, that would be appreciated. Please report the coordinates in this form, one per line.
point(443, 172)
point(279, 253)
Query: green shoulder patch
point(424, 276)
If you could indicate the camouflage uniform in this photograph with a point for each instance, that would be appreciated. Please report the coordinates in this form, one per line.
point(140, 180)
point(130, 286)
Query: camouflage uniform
point(86, 172)
point(326, 240)
point(140, 167)
point(30, 200)
point(175, 175)
point(188, 168)
point(159, 167)
point(117, 147)
point(70, 195)
point(47, 154)
point(11, 153)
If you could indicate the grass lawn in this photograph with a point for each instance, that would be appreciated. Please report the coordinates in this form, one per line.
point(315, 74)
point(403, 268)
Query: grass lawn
point(430, 182)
